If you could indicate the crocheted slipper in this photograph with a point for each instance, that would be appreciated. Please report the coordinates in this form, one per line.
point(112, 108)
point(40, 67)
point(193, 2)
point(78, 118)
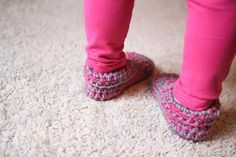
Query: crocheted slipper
point(187, 123)
point(104, 86)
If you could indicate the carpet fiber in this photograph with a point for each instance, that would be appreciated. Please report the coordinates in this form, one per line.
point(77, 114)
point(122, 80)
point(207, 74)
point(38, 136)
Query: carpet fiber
point(43, 108)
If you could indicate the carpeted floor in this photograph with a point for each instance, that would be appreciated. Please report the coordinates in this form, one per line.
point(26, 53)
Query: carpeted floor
point(43, 108)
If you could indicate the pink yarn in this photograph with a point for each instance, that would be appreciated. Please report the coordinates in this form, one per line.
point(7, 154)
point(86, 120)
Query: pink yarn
point(188, 124)
point(104, 86)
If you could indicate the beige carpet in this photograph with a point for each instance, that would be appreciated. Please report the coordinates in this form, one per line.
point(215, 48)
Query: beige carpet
point(43, 108)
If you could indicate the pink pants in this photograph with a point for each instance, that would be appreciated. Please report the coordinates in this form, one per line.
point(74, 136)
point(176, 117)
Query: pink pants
point(210, 44)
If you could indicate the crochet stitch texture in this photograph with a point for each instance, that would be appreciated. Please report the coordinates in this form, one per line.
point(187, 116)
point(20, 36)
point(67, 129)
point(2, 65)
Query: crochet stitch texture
point(104, 86)
point(187, 123)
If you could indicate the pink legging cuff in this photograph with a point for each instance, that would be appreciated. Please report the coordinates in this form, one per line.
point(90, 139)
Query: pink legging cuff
point(106, 65)
point(192, 102)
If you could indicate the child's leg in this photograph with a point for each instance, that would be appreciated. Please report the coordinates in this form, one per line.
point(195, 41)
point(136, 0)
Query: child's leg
point(107, 23)
point(210, 43)
point(108, 69)
point(190, 102)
